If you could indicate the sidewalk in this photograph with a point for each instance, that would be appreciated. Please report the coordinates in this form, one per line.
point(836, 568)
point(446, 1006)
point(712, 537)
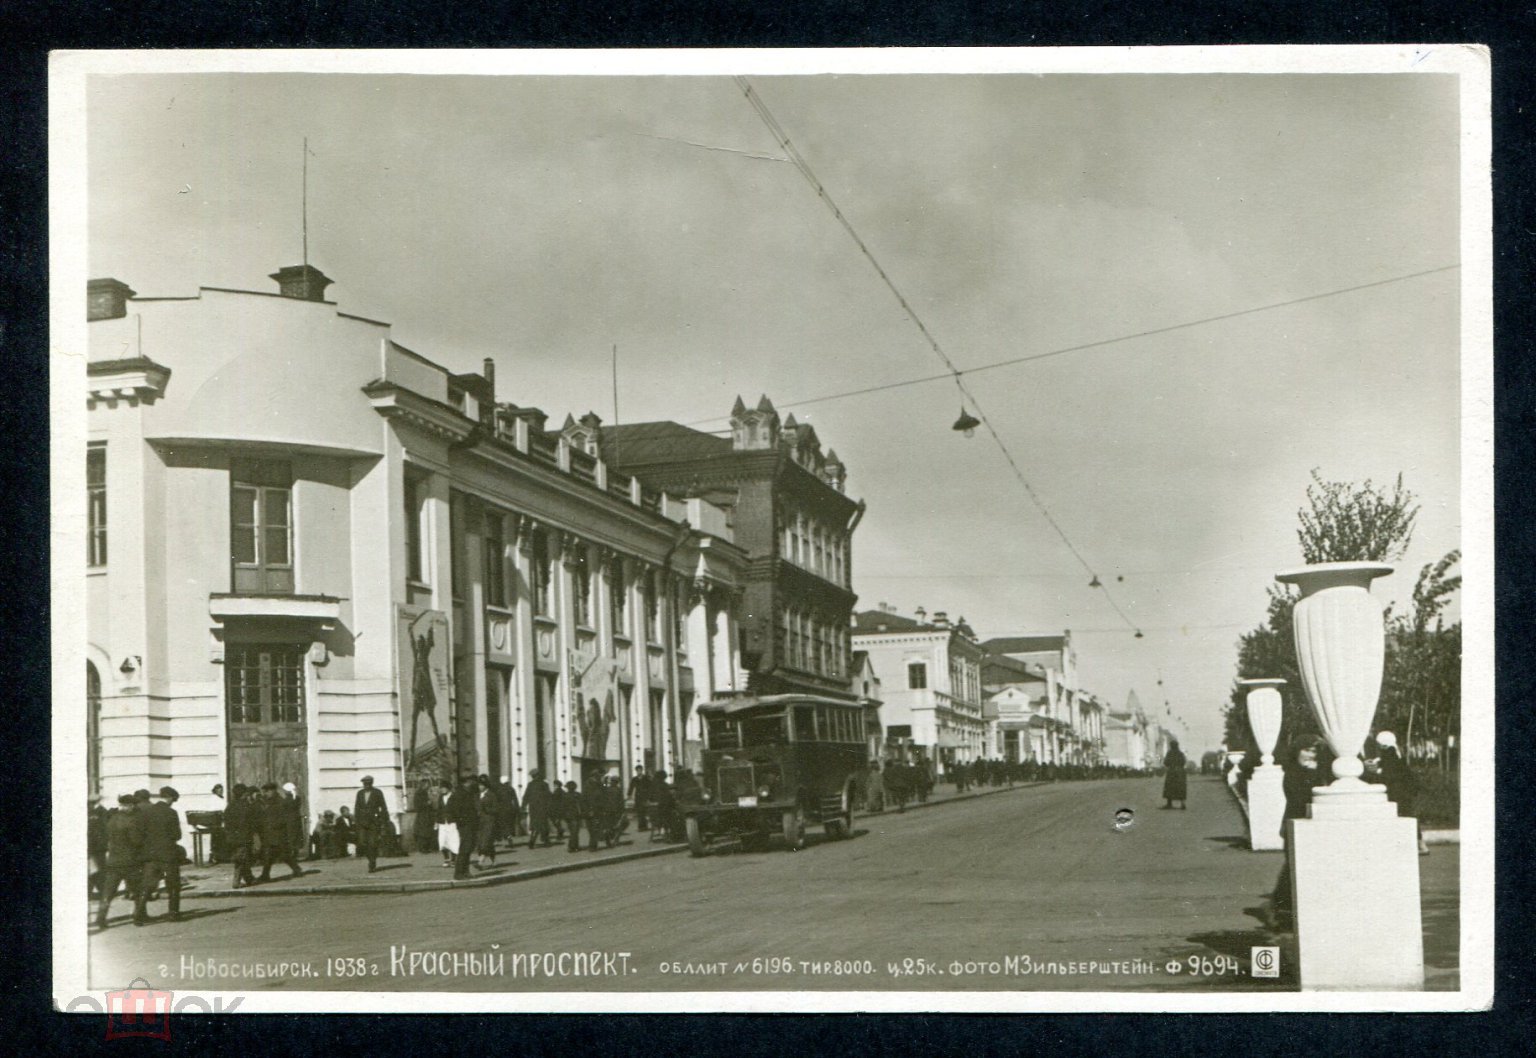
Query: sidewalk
point(423, 872)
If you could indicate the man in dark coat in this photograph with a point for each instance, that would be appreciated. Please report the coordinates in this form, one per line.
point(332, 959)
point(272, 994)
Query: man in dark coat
point(508, 811)
point(536, 800)
point(371, 819)
point(96, 840)
point(614, 819)
point(239, 833)
point(161, 855)
point(557, 810)
point(123, 838)
point(640, 792)
point(664, 805)
point(1175, 781)
point(464, 813)
point(573, 811)
point(274, 826)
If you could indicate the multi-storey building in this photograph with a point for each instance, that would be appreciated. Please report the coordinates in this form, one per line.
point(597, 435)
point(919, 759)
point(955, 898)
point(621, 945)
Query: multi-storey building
point(1076, 731)
point(789, 511)
point(930, 677)
point(314, 554)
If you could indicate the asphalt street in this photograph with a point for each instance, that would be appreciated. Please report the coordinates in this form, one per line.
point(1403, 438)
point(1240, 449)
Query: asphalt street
point(1031, 889)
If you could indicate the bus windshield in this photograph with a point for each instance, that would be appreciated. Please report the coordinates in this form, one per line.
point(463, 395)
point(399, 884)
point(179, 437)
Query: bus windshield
point(763, 731)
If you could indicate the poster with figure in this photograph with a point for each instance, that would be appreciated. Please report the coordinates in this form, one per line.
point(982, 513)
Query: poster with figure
point(425, 695)
point(595, 707)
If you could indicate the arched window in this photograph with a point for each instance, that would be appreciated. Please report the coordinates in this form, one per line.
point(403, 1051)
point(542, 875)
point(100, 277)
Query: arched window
point(93, 729)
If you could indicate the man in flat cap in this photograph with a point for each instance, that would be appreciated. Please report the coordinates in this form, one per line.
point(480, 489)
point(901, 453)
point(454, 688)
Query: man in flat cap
point(274, 825)
point(371, 822)
point(161, 855)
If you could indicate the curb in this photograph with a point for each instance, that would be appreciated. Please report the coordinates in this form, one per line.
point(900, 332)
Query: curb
point(522, 875)
point(422, 886)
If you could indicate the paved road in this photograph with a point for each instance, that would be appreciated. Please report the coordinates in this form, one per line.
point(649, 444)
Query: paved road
point(1037, 875)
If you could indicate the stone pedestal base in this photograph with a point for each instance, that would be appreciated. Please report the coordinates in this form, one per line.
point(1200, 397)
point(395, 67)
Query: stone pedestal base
point(1266, 808)
point(1355, 881)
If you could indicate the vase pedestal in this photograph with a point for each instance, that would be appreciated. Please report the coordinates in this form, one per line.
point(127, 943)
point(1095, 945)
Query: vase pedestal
point(1355, 885)
point(1266, 808)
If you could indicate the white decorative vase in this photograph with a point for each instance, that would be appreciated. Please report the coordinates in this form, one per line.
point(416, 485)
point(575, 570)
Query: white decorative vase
point(1264, 710)
point(1340, 646)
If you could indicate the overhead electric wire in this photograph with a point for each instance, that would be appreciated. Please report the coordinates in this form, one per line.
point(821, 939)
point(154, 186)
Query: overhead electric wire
point(794, 155)
point(1102, 342)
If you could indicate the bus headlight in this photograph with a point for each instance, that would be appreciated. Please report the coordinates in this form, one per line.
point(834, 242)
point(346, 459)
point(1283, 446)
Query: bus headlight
point(765, 792)
point(707, 797)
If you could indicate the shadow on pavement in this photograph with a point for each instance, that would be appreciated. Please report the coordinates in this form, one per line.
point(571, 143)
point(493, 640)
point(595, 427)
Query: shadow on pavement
point(1239, 841)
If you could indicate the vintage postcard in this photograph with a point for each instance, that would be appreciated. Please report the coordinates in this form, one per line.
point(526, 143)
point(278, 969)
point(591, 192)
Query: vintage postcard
point(910, 530)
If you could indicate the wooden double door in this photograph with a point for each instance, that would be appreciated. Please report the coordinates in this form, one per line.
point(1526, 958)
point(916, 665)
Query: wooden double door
point(265, 707)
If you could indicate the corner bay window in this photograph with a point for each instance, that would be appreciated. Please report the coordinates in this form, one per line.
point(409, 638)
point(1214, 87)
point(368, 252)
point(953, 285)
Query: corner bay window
point(96, 505)
point(261, 526)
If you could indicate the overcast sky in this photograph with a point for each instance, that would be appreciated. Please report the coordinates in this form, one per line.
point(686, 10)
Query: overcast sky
point(540, 221)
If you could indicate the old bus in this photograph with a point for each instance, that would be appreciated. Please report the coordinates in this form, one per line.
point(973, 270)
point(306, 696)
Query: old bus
point(774, 764)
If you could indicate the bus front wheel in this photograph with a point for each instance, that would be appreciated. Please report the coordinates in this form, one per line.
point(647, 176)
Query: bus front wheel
point(794, 828)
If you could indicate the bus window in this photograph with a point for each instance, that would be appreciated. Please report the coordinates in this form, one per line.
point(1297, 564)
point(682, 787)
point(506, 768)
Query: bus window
point(722, 733)
point(763, 730)
point(805, 723)
point(845, 729)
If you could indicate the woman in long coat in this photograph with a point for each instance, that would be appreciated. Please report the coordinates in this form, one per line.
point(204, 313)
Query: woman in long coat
point(1175, 781)
point(489, 812)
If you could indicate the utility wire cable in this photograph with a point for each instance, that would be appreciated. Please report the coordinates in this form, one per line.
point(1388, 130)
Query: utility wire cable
point(1102, 342)
point(800, 163)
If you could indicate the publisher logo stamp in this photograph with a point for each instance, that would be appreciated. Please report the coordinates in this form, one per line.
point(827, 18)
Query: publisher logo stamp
point(139, 1010)
point(1265, 962)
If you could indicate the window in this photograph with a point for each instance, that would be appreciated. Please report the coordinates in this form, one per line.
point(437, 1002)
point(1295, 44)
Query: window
point(581, 585)
point(539, 574)
point(265, 683)
point(805, 723)
point(496, 561)
point(456, 545)
point(415, 564)
point(653, 623)
point(618, 598)
point(917, 675)
point(763, 731)
point(96, 505)
point(680, 618)
point(261, 526)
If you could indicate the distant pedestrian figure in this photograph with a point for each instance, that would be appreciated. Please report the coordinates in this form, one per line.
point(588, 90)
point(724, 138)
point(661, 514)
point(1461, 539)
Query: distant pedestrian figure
point(161, 854)
point(240, 834)
point(536, 801)
point(1402, 786)
point(874, 789)
point(447, 829)
point(122, 862)
point(1175, 780)
point(572, 812)
point(274, 825)
point(488, 802)
point(640, 791)
point(464, 811)
point(371, 816)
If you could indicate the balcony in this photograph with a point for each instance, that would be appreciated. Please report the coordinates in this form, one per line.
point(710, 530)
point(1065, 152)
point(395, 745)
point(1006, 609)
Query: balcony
point(324, 609)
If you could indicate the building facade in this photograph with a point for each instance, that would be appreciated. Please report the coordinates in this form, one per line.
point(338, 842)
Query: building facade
point(930, 679)
point(1074, 719)
point(789, 511)
point(314, 554)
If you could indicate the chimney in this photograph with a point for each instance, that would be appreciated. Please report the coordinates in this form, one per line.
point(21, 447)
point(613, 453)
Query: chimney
point(488, 371)
point(304, 282)
point(920, 613)
point(941, 619)
point(106, 299)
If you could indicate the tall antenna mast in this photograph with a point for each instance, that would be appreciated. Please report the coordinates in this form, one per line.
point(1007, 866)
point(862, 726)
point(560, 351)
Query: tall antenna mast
point(304, 202)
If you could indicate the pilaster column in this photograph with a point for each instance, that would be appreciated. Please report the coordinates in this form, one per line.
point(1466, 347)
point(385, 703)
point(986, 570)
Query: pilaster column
point(525, 729)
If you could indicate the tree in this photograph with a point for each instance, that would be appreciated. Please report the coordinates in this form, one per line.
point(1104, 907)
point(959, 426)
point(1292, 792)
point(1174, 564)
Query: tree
point(1421, 686)
point(1346, 522)
point(1343, 522)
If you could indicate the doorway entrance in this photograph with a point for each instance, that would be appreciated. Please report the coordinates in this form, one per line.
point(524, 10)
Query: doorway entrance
point(264, 698)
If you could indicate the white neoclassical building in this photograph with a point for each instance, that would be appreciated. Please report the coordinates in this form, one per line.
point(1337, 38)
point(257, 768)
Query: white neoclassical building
point(929, 673)
point(314, 554)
